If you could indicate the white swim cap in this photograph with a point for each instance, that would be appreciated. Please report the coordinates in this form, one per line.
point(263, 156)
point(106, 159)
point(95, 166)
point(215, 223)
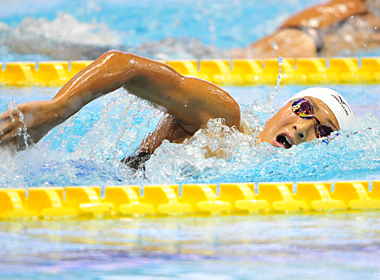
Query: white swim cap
point(337, 104)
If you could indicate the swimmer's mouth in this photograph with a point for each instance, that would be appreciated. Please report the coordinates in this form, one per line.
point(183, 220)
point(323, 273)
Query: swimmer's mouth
point(283, 141)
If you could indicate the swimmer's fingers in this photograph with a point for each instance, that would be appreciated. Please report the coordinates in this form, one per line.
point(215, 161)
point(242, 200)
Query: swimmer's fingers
point(12, 116)
point(11, 130)
point(34, 118)
point(4, 117)
point(6, 127)
point(14, 138)
point(9, 116)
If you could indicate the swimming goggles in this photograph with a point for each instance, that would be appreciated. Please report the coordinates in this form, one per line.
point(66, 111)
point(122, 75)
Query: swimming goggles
point(304, 109)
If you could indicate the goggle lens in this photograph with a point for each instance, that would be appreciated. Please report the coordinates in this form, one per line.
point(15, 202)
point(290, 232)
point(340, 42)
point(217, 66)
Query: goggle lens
point(323, 130)
point(303, 108)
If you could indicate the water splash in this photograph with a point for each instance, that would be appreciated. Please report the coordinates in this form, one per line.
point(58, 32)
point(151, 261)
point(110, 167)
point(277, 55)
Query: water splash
point(87, 149)
point(22, 129)
point(272, 94)
point(66, 28)
point(351, 155)
point(65, 37)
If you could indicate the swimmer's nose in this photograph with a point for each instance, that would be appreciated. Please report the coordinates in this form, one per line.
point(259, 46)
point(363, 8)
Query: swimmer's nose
point(304, 130)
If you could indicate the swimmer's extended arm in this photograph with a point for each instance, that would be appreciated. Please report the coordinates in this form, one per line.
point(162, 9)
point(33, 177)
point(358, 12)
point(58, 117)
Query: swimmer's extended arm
point(192, 102)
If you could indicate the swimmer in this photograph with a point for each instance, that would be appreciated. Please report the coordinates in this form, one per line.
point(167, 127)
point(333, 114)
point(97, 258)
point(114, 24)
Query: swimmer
point(189, 102)
point(327, 29)
point(336, 27)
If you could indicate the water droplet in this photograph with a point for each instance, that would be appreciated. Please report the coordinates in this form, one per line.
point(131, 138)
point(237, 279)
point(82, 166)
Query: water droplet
point(274, 92)
point(275, 46)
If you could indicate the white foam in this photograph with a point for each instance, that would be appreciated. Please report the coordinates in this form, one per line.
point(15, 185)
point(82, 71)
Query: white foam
point(4, 27)
point(66, 28)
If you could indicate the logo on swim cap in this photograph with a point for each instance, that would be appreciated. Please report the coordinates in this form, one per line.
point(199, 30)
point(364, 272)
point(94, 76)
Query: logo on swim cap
point(342, 103)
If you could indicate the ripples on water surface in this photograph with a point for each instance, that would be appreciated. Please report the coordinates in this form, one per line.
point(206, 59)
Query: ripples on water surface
point(87, 149)
point(187, 29)
point(332, 246)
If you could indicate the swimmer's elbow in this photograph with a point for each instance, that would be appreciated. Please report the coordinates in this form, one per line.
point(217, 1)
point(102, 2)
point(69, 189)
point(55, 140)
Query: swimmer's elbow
point(120, 62)
point(119, 57)
point(118, 54)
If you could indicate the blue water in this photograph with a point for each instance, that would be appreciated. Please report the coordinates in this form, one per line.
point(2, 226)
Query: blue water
point(335, 246)
point(87, 148)
point(167, 29)
point(223, 23)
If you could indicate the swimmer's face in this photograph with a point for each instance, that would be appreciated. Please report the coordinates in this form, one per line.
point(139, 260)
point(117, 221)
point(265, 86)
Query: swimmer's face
point(286, 128)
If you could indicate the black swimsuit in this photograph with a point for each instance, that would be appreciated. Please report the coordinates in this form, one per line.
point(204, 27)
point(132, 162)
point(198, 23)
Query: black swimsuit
point(319, 34)
point(137, 161)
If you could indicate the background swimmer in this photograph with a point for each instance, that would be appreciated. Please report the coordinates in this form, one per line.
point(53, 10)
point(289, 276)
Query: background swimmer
point(189, 102)
point(323, 30)
point(203, 31)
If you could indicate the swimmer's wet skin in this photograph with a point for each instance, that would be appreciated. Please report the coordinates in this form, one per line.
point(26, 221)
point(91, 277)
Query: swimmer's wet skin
point(189, 102)
point(320, 31)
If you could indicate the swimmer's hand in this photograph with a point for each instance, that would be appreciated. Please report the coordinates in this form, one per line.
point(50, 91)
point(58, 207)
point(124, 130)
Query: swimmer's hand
point(27, 123)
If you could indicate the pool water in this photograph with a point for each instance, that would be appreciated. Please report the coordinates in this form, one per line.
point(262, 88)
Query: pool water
point(211, 26)
point(42, 30)
point(335, 246)
point(87, 148)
